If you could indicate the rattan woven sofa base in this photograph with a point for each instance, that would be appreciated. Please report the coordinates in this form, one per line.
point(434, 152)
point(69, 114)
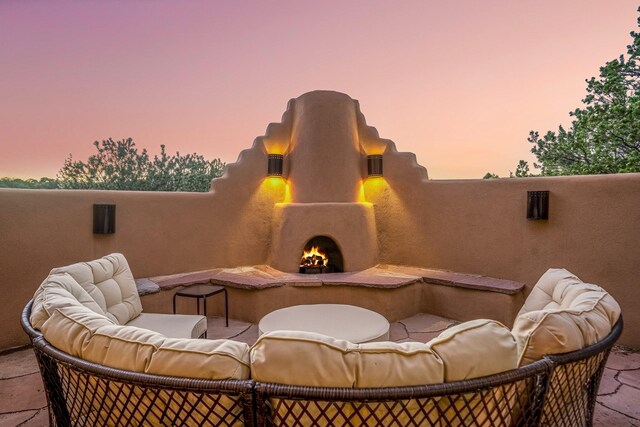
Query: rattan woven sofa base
point(557, 390)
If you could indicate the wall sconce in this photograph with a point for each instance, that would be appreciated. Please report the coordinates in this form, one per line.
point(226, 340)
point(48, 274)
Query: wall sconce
point(537, 205)
point(374, 165)
point(104, 219)
point(274, 165)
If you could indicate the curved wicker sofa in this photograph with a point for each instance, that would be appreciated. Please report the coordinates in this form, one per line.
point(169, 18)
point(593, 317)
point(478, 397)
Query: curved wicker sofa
point(308, 379)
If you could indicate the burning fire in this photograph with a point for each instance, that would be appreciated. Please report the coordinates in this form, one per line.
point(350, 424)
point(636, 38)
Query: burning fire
point(314, 258)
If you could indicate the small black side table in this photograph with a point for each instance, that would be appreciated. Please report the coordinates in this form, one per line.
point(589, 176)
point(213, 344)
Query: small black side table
point(203, 291)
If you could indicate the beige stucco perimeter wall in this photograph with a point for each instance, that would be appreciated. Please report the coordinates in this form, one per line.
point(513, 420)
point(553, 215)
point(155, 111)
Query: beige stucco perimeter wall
point(159, 233)
point(480, 226)
point(467, 226)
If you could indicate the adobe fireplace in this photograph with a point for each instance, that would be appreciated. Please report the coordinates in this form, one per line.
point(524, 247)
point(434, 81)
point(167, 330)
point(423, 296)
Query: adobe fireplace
point(321, 192)
point(321, 255)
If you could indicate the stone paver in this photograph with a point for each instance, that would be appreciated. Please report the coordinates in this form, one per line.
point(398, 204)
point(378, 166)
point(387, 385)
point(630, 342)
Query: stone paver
point(605, 417)
point(37, 417)
point(22, 393)
point(423, 322)
point(22, 399)
point(630, 378)
point(609, 384)
point(18, 363)
point(623, 359)
point(250, 336)
point(624, 401)
point(216, 328)
point(397, 331)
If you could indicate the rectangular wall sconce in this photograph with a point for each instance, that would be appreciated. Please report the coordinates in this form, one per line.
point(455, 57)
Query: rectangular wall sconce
point(374, 165)
point(537, 205)
point(274, 165)
point(104, 219)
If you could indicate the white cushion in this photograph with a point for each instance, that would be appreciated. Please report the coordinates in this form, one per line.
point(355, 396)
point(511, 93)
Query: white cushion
point(390, 364)
point(563, 314)
point(87, 335)
point(110, 283)
point(474, 349)
point(122, 347)
point(193, 358)
point(172, 325)
point(57, 291)
point(311, 359)
point(303, 358)
point(69, 328)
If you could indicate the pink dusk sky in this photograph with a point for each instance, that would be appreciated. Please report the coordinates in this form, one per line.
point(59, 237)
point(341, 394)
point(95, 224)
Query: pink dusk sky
point(459, 83)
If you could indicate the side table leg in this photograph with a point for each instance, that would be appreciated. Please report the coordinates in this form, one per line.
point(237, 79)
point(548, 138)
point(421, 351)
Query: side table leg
point(226, 308)
point(174, 303)
point(204, 299)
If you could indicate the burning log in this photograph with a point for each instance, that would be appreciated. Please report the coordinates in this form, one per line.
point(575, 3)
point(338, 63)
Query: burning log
point(314, 258)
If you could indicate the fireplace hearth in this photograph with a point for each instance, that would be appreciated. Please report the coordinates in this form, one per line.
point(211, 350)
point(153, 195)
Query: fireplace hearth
point(321, 255)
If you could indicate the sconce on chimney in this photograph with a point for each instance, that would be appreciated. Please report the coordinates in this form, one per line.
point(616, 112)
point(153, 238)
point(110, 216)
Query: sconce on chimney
point(104, 219)
point(274, 164)
point(374, 165)
point(537, 205)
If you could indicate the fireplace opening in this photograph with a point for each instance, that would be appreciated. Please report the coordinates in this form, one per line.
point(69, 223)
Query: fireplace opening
point(321, 255)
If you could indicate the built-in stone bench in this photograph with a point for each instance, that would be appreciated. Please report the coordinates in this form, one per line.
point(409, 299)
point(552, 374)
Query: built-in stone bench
point(394, 291)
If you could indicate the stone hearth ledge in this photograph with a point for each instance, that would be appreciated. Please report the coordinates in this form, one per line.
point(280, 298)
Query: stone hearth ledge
point(381, 276)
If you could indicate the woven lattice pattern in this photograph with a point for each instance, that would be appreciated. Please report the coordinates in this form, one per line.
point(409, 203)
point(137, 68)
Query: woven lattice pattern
point(557, 391)
point(572, 392)
point(513, 403)
point(81, 398)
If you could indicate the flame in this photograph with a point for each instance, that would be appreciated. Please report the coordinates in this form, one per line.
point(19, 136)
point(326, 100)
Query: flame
point(314, 258)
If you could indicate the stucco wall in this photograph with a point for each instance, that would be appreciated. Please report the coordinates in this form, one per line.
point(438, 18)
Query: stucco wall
point(480, 227)
point(159, 233)
point(468, 226)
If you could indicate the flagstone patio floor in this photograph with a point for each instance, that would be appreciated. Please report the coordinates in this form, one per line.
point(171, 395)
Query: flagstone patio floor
point(23, 403)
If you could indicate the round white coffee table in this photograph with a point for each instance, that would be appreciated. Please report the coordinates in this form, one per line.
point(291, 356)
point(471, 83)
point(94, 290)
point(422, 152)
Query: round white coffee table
point(347, 322)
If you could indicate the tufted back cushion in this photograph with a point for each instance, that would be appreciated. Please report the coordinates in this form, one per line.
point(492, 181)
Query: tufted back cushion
point(57, 291)
point(109, 282)
point(563, 314)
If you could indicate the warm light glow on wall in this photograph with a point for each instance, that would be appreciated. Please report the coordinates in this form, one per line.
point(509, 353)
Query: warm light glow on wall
point(375, 188)
point(287, 192)
point(275, 187)
point(275, 146)
point(361, 197)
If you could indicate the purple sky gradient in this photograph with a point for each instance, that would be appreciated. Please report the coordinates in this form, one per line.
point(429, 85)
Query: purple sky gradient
point(459, 83)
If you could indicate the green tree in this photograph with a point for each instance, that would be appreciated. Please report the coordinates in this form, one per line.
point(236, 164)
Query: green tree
point(119, 166)
point(490, 175)
point(31, 183)
point(605, 133)
point(522, 170)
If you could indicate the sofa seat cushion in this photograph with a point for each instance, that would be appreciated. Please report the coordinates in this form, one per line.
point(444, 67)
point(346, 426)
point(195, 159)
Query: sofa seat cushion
point(390, 364)
point(194, 358)
point(475, 349)
point(85, 334)
point(110, 284)
point(563, 314)
point(311, 359)
point(172, 325)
